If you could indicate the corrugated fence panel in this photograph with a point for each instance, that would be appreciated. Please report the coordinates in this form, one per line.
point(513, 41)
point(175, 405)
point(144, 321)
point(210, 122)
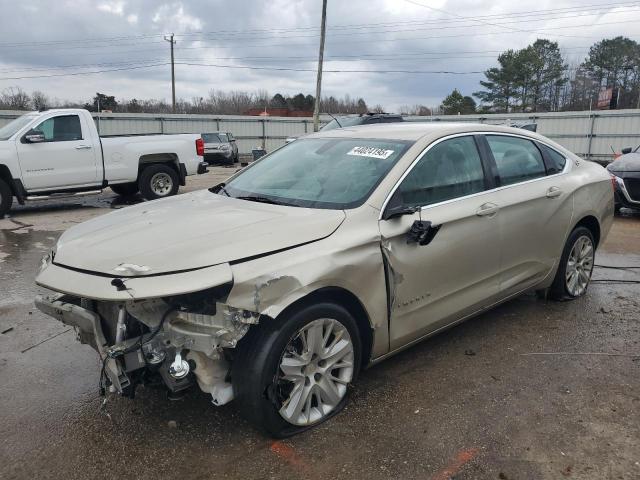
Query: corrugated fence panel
point(590, 134)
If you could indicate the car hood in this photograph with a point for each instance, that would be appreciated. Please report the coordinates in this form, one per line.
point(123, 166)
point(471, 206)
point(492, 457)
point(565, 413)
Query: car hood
point(625, 163)
point(187, 232)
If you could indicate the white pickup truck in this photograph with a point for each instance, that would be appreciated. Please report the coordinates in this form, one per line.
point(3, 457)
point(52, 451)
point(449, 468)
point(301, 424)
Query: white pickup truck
point(60, 153)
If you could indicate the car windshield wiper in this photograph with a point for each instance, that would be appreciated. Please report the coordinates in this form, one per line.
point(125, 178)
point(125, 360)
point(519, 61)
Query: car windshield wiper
point(257, 198)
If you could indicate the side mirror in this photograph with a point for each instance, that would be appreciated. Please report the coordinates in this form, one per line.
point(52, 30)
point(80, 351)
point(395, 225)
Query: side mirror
point(34, 136)
point(395, 208)
point(626, 150)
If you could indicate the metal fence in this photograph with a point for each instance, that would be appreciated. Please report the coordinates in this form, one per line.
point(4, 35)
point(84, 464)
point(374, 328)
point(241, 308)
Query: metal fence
point(591, 135)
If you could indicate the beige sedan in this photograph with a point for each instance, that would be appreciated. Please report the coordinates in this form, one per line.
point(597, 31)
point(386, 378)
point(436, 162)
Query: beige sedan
point(330, 254)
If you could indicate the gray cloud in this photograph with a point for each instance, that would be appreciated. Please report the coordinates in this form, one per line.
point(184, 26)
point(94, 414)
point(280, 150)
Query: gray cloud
point(38, 37)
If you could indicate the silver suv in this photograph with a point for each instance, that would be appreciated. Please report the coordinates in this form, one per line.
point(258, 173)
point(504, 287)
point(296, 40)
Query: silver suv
point(220, 147)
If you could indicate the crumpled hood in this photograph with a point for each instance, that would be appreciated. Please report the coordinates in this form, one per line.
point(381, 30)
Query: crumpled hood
point(625, 163)
point(190, 231)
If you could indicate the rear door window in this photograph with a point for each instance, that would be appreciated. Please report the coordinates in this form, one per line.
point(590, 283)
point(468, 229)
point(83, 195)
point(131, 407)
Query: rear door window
point(558, 161)
point(450, 169)
point(517, 159)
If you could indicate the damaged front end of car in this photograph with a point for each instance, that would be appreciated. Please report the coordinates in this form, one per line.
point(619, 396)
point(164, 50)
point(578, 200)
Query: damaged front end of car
point(176, 341)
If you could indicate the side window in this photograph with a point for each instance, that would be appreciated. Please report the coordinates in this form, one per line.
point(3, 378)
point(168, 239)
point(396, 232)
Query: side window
point(517, 159)
point(450, 169)
point(558, 160)
point(61, 129)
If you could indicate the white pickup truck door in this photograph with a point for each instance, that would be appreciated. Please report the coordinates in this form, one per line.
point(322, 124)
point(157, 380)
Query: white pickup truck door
point(68, 158)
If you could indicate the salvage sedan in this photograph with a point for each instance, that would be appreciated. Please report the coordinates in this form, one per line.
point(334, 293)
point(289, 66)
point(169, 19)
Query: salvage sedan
point(328, 255)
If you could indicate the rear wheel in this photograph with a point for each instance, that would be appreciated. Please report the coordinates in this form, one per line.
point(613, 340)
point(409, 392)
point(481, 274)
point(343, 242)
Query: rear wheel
point(293, 374)
point(125, 189)
point(576, 266)
point(6, 198)
point(158, 181)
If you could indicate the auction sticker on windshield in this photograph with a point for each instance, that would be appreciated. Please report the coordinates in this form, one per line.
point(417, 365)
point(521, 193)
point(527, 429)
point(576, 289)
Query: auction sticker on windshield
point(370, 152)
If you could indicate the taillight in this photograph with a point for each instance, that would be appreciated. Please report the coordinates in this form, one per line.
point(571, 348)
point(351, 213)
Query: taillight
point(199, 147)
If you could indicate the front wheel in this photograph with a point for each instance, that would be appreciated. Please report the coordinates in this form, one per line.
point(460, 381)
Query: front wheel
point(158, 181)
point(576, 266)
point(292, 374)
point(6, 198)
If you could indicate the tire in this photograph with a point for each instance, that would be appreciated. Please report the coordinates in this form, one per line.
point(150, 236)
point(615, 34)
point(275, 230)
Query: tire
point(616, 209)
point(125, 189)
point(261, 392)
point(572, 282)
point(6, 198)
point(158, 181)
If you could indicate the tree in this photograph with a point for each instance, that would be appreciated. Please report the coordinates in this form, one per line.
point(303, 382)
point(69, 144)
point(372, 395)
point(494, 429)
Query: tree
point(133, 106)
point(14, 98)
point(455, 103)
point(546, 70)
point(102, 102)
point(530, 79)
point(40, 101)
point(297, 102)
point(615, 63)
point(501, 84)
point(278, 101)
point(419, 110)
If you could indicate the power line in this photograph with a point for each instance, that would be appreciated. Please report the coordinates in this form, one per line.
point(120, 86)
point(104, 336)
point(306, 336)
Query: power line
point(216, 35)
point(86, 73)
point(287, 69)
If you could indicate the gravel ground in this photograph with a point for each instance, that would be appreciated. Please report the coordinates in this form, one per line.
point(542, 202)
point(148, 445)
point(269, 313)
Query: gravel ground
point(532, 389)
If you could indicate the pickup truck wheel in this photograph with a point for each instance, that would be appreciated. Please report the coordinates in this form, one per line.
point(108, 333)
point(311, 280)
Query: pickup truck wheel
point(125, 189)
point(6, 198)
point(158, 181)
point(293, 373)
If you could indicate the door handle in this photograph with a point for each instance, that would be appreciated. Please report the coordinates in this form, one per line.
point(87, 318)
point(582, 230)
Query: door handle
point(554, 192)
point(83, 147)
point(487, 210)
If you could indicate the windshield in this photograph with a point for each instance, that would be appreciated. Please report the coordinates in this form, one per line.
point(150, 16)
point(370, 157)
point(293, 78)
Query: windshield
point(318, 173)
point(12, 127)
point(344, 122)
point(210, 138)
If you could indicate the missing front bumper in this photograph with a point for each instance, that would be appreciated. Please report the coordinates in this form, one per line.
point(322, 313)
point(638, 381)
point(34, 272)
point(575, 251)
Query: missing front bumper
point(169, 337)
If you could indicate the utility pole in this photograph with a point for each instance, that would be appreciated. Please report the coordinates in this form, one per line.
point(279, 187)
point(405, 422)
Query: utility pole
point(172, 42)
point(316, 106)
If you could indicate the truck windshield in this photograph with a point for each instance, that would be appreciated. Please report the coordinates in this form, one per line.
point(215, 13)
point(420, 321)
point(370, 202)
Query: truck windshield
point(331, 173)
point(12, 127)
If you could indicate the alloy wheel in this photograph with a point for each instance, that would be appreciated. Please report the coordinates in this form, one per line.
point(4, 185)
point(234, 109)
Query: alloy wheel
point(314, 371)
point(579, 266)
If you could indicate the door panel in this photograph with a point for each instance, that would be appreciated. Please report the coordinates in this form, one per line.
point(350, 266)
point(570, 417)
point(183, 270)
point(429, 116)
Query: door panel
point(454, 275)
point(457, 272)
point(535, 212)
point(535, 217)
point(66, 159)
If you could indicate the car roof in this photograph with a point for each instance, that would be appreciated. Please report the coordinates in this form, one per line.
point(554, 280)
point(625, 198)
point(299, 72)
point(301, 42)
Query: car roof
point(413, 131)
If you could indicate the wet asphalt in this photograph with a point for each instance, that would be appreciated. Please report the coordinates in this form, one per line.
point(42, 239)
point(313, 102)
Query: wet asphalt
point(532, 389)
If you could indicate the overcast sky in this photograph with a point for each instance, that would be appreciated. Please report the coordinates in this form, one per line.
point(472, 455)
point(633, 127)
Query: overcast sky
point(40, 37)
